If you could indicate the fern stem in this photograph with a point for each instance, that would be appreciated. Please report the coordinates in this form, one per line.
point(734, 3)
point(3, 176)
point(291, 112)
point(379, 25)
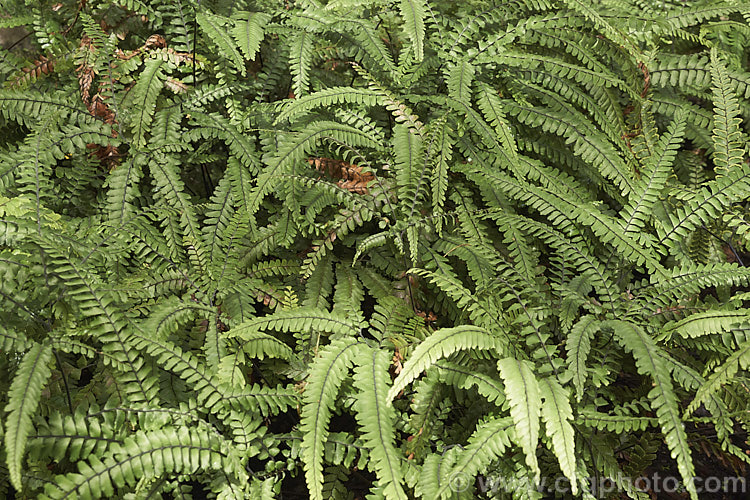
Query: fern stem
point(64, 379)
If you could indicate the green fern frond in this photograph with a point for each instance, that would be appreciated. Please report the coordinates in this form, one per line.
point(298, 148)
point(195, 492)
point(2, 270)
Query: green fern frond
point(300, 60)
point(186, 451)
point(215, 28)
point(25, 392)
point(615, 423)
point(440, 344)
point(376, 418)
point(663, 399)
point(248, 31)
point(326, 375)
point(556, 415)
point(413, 13)
point(578, 346)
point(723, 374)
point(145, 93)
point(325, 98)
point(523, 393)
point(487, 385)
point(727, 135)
point(488, 443)
point(459, 78)
point(705, 323)
point(653, 177)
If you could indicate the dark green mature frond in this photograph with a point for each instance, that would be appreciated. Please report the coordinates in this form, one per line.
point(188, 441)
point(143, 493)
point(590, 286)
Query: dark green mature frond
point(300, 60)
point(145, 93)
point(722, 375)
point(654, 176)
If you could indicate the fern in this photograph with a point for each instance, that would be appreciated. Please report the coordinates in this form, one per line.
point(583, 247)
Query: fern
point(369, 248)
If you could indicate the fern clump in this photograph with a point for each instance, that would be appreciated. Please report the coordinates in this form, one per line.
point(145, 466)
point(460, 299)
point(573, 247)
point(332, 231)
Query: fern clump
point(399, 250)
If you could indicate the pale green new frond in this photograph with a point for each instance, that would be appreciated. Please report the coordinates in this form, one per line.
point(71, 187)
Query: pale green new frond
point(376, 418)
point(663, 399)
point(522, 390)
point(557, 415)
point(440, 344)
point(23, 399)
point(326, 375)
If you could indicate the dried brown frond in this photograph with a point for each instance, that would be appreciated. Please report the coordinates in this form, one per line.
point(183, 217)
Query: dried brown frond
point(351, 177)
point(41, 66)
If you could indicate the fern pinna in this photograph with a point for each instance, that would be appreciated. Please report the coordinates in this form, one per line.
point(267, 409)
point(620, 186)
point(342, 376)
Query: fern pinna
point(363, 248)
